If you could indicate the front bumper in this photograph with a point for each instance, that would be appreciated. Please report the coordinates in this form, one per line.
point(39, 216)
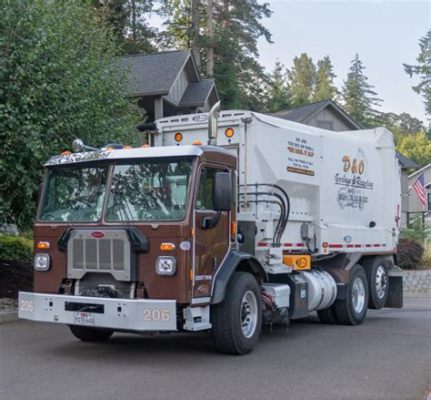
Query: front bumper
point(123, 314)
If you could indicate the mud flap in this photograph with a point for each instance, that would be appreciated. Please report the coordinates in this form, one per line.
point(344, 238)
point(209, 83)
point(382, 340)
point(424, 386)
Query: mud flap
point(395, 296)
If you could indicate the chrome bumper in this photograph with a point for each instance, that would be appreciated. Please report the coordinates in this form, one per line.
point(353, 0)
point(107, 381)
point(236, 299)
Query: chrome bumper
point(137, 315)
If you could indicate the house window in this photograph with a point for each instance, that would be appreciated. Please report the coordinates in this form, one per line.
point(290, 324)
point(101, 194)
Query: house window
point(429, 201)
point(325, 125)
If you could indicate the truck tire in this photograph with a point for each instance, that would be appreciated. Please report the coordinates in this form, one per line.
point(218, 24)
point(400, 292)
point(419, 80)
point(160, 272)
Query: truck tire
point(327, 316)
point(353, 309)
point(87, 334)
point(237, 320)
point(378, 281)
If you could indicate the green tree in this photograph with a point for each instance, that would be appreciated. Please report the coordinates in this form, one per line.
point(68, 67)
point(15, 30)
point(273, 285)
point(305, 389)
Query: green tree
point(416, 147)
point(302, 79)
point(359, 98)
point(278, 96)
point(325, 87)
point(59, 80)
point(227, 44)
point(423, 70)
point(401, 124)
point(128, 20)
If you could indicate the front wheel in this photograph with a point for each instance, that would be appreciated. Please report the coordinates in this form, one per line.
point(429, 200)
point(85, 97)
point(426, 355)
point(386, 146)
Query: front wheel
point(87, 334)
point(237, 321)
point(353, 309)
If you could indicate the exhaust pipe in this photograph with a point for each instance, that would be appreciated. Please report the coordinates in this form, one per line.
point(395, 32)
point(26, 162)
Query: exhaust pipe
point(212, 123)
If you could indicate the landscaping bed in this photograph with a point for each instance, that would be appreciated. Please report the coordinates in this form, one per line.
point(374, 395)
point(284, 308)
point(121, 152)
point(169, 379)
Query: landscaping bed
point(15, 276)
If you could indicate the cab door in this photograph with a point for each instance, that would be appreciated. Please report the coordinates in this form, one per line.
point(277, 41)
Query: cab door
point(212, 233)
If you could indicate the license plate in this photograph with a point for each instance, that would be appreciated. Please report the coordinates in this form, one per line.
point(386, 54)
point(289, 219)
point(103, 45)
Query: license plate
point(84, 318)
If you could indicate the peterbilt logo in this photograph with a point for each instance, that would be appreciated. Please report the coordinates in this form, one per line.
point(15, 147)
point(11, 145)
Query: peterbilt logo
point(97, 234)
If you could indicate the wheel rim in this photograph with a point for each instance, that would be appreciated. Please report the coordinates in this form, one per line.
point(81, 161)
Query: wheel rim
point(248, 314)
point(381, 282)
point(358, 295)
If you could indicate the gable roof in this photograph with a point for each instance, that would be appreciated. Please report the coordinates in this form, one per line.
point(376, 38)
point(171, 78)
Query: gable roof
point(406, 163)
point(197, 93)
point(420, 170)
point(303, 113)
point(154, 74)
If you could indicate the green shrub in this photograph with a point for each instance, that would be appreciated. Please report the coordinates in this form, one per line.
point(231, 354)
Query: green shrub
point(426, 259)
point(417, 230)
point(16, 248)
point(410, 252)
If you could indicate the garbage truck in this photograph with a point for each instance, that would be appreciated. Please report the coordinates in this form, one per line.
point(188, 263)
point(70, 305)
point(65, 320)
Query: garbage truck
point(226, 222)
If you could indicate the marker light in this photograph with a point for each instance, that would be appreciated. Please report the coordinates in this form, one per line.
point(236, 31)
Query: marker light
point(298, 262)
point(43, 245)
point(197, 143)
point(229, 132)
point(178, 137)
point(165, 246)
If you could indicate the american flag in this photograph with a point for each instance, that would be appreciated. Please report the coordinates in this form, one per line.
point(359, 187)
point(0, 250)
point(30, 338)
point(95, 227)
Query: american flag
point(419, 187)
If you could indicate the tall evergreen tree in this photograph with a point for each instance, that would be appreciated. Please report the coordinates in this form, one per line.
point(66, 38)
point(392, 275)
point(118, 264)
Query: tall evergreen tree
point(325, 87)
point(302, 80)
point(359, 98)
point(129, 22)
point(423, 70)
point(278, 97)
point(227, 44)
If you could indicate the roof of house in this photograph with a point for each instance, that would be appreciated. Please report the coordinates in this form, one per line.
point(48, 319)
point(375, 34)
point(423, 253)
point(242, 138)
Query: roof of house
point(154, 74)
point(197, 93)
point(419, 171)
point(405, 162)
point(303, 113)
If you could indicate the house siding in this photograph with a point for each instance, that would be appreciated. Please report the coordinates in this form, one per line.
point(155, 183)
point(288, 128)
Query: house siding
point(327, 116)
point(414, 203)
point(178, 88)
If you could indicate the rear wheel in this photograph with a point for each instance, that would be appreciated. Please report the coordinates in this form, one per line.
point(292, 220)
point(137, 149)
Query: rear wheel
point(353, 309)
point(87, 334)
point(378, 281)
point(237, 321)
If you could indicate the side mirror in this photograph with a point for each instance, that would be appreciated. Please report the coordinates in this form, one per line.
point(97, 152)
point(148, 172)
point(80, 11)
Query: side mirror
point(222, 191)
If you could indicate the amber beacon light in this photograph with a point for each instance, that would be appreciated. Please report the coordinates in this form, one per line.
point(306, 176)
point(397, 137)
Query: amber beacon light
point(229, 132)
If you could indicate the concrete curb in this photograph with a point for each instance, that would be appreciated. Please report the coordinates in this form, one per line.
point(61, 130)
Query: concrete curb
point(8, 316)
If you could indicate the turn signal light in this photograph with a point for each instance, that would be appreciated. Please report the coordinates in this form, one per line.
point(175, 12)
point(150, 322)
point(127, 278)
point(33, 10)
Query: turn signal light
point(167, 246)
point(299, 262)
point(43, 245)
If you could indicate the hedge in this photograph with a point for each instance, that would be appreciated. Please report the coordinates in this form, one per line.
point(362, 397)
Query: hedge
point(16, 248)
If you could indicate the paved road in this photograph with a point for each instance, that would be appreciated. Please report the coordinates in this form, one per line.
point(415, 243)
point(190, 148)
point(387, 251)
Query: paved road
point(388, 357)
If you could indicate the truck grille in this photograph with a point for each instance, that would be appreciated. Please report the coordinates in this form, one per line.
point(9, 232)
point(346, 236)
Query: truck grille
point(106, 252)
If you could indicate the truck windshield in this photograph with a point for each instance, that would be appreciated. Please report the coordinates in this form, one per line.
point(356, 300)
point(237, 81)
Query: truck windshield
point(74, 194)
point(149, 190)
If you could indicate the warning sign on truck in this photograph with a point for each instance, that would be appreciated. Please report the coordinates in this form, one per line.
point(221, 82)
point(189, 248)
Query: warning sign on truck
point(300, 159)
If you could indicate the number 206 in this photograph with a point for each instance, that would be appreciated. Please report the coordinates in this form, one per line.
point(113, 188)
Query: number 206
point(26, 305)
point(156, 315)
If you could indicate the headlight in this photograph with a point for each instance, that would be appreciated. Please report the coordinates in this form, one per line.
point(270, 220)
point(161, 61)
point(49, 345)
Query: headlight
point(166, 266)
point(41, 262)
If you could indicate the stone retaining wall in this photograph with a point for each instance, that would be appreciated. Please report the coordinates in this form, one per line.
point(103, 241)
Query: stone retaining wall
point(417, 281)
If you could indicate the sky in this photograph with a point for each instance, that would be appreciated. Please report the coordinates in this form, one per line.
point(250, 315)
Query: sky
point(385, 34)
